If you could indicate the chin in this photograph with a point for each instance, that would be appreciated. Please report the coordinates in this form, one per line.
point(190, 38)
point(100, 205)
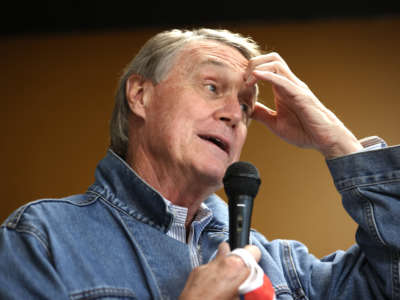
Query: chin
point(213, 173)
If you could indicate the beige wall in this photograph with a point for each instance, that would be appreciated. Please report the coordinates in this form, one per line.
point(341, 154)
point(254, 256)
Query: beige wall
point(57, 96)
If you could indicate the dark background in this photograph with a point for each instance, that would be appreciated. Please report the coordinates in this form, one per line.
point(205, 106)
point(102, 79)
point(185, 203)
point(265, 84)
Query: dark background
point(71, 15)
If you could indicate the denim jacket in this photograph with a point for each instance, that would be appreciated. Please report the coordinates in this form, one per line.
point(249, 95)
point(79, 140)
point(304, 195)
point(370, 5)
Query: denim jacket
point(110, 242)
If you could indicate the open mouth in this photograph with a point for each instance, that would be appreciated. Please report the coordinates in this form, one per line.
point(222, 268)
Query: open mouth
point(216, 141)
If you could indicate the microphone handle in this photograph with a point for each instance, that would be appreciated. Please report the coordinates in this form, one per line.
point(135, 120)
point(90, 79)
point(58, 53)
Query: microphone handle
point(240, 209)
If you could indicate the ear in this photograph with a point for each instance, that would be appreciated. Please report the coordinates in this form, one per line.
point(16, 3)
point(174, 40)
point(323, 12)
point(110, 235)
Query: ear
point(137, 91)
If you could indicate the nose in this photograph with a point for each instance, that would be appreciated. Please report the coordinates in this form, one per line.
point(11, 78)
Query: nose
point(230, 112)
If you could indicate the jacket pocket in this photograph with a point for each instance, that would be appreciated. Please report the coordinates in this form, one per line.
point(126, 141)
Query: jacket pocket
point(103, 293)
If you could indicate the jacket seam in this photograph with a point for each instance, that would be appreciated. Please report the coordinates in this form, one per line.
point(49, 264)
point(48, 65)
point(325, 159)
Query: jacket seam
point(368, 209)
point(31, 230)
point(129, 213)
point(396, 275)
point(103, 291)
point(215, 229)
point(110, 203)
point(344, 186)
point(142, 259)
point(293, 275)
point(281, 289)
point(15, 220)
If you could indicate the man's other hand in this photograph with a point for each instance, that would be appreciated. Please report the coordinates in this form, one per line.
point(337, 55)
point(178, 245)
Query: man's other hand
point(220, 279)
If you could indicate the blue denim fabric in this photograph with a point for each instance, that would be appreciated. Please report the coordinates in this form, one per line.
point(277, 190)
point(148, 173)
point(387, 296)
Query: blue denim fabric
point(110, 243)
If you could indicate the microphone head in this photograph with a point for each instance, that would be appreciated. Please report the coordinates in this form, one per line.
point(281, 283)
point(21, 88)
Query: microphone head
point(241, 178)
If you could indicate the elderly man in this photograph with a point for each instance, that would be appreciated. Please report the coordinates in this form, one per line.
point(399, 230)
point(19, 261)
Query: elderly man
point(151, 227)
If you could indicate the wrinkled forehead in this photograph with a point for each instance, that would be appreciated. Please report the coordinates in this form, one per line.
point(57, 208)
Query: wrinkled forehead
point(197, 52)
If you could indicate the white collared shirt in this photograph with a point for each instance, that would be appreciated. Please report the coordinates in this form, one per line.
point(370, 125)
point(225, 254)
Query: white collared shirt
point(177, 230)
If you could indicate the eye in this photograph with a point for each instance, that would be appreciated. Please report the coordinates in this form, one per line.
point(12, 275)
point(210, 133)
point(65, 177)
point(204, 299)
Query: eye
point(211, 87)
point(245, 108)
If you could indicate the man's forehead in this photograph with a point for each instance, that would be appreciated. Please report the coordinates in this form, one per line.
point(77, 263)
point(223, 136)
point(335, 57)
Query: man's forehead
point(215, 53)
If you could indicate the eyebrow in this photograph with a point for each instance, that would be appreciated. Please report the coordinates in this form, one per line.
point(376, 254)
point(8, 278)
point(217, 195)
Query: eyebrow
point(213, 62)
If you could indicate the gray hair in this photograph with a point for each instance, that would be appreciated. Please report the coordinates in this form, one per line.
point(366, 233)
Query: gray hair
point(154, 61)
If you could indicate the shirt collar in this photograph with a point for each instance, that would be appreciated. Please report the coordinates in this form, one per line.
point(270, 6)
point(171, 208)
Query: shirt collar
point(180, 212)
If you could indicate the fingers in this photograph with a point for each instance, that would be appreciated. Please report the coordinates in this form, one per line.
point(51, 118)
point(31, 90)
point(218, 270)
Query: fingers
point(223, 258)
point(223, 250)
point(272, 56)
point(265, 115)
point(262, 112)
point(254, 251)
point(220, 279)
point(271, 63)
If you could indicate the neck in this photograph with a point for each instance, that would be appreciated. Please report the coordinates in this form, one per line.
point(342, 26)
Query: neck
point(179, 187)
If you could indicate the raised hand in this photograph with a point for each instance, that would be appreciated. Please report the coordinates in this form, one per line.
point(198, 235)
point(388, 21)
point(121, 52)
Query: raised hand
point(299, 117)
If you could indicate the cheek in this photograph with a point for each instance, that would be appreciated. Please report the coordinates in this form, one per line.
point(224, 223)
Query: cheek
point(241, 139)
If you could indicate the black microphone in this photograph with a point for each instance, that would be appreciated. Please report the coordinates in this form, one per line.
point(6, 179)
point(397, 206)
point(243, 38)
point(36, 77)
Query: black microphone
point(241, 183)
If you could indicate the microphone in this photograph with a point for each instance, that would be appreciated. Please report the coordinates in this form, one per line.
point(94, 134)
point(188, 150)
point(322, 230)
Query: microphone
point(241, 183)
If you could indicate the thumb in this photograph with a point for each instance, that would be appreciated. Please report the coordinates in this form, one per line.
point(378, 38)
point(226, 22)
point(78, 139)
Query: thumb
point(254, 251)
point(264, 114)
point(223, 250)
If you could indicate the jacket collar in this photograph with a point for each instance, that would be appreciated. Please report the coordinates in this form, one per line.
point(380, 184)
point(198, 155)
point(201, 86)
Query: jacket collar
point(118, 183)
